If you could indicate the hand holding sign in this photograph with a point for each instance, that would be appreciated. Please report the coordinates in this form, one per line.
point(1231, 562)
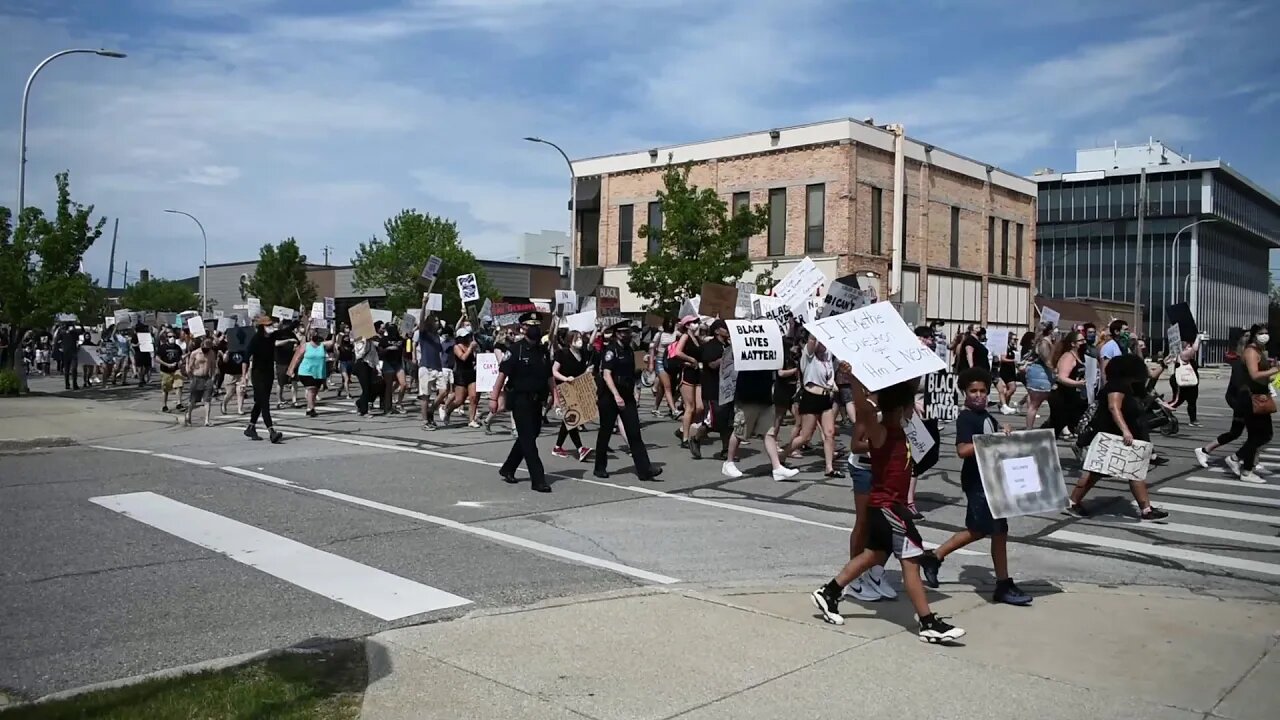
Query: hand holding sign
point(877, 344)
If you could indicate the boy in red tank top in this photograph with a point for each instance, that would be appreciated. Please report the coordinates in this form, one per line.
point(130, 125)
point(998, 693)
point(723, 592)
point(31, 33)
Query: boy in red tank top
point(890, 529)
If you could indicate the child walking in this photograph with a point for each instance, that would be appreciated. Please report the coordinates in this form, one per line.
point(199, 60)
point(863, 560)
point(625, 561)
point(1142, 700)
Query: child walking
point(973, 420)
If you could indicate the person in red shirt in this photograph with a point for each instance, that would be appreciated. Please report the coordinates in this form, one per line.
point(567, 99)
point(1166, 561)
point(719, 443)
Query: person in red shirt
point(890, 529)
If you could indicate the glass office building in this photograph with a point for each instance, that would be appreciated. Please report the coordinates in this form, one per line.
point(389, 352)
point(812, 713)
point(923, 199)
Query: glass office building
point(1207, 236)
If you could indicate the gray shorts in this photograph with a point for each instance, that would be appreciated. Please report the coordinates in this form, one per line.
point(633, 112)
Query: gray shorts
point(199, 387)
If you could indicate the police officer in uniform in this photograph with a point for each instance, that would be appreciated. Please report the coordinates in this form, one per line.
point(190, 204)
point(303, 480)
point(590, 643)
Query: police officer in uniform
point(618, 397)
point(528, 367)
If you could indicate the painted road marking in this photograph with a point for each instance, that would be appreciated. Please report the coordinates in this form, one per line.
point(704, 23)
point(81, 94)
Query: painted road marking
point(367, 589)
point(1233, 483)
point(182, 459)
point(1164, 551)
point(1215, 512)
point(1199, 530)
point(1225, 497)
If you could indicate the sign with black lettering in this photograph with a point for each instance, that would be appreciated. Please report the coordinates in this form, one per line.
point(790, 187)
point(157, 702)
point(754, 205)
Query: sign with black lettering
point(756, 344)
point(879, 347)
point(468, 288)
point(845, 295)
point(941, 397)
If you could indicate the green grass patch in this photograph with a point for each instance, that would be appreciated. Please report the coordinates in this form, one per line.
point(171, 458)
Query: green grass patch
point(325, 685)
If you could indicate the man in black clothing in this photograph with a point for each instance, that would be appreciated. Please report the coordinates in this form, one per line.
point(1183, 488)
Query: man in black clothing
point(719, 417)
point(70, 346)
point(618, 381)
point(262, 363)
point(286, 342)
point(528, 368)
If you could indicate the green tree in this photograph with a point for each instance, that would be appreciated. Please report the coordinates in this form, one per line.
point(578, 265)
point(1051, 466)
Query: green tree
point(698, 243)
point(40, 263)
point(160, 296)
point(395, 264)
point(281, 277)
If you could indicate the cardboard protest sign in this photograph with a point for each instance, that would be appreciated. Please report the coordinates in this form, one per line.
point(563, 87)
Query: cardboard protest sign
point(641, 358)
point(1180, 315)
point(719, 301)
point(196, 325)
point(568, 300)
point(1108, 455)
point(1049, 316)
point(578, 400)
point(742, 307)
point(507, 320)
point(432, 269)
point(877, 344)
point(468, 288)
point(362, 321)
point(756, 345)
point(1020, 473)
point(486, 371)
point(435, 302)
point(654, 320)
point(89, 355)
point(409, 322)
point(799, 284)
point(728, 377)
point(582, 322)
point(226, 322)
point(1173, 336)
point(281, 312)
point(145, 343)
point(607, 301)
point(121, 316)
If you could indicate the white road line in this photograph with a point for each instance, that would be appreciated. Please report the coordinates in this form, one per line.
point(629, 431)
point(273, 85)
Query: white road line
point(1200, 530)
point(1215, 512)
point(1232, 483)
point(1225, 497)
point(367, 589)
point(1225, 471)
point(402, 448)
point(504, 538)
point(1173, 553)
point(259, 476)
point(123, 450)
point(181, 458)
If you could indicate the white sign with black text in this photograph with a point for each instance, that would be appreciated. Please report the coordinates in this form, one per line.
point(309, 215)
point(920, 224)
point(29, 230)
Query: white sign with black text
point(486, 371)
point(799, 284)
point(918, 437)
point(468, 288)
point(876, 342)
point(728, 378)
point(756, 345)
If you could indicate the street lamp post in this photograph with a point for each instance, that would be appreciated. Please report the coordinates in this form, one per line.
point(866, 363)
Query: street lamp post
point(22, 127)
point(204, 269)
point(1173, 265)
point(573, 211)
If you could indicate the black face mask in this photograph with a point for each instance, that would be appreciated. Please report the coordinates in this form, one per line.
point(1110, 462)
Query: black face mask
point(534, 333)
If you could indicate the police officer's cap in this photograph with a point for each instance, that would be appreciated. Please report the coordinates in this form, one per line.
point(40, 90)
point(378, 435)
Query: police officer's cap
point(529, 318)
point(617, 327)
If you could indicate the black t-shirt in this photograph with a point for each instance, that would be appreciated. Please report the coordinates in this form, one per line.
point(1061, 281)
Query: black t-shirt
point(969, 423)
point(262, 353)
point(233, 363)
point(284, 353)
point(571, 366)
point(755, 387)
point(169, 353)
point(346, 351)
point(1130, 408)
point(712, 350)
point(527, 369)
point(981, 357)
point(391, 350)
point(786, 387)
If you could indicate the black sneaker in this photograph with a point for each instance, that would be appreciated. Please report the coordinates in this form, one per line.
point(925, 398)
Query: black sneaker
point(695, 449)
point(828, 605)
point(1008, 592)
point(936, 630)
point(602, 474)
point(251, 433)
point(312, 413)
point(1154, 513)
point(684, 444)
point(276, 437)
point(929, 566)
point(653, 474)
point(542, 487)
point(721, 456)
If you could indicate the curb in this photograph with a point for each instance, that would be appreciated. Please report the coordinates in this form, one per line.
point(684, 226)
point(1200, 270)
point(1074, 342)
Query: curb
point(10, 444)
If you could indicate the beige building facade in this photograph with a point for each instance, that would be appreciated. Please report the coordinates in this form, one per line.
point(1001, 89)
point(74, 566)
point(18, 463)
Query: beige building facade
point(968, 254)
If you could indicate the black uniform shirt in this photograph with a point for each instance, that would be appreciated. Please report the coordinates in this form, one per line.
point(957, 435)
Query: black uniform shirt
point(528, 368)
point(621, 362)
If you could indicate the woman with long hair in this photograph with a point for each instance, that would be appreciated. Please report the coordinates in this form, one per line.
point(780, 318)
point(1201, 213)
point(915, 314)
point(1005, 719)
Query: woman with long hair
point(1008, 373)
point(1249, 397)
point(1039, 376)
point(1066, 401)
point(817, 406)
point(1120, 412)
point(662, 389)
point(687, 352)
point(571, 362)
point(1184, 380)
point(464, 377)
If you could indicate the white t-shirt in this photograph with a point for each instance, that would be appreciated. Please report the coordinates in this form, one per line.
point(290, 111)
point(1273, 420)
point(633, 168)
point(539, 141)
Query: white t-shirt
point(1111, 350)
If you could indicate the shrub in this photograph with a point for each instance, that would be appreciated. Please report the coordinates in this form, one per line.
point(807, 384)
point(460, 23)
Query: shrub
point(10, 384)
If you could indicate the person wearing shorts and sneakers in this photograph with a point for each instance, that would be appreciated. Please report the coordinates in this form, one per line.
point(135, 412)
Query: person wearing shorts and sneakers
point(871, 585)
point(200, 365)
point(973, 420)
point(890, 529)
point(753, 399)
point(432, 389)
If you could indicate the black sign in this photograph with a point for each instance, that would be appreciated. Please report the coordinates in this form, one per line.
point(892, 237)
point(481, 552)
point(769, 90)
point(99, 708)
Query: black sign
point(941, 398)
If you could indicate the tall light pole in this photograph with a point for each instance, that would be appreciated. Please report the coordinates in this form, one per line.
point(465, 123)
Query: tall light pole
point(204, 269)
point(1173, 266)
point(22, 128)
point(573, 212)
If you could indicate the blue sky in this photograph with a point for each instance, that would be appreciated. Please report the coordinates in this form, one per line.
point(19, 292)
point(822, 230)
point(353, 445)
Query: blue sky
point(320, 119)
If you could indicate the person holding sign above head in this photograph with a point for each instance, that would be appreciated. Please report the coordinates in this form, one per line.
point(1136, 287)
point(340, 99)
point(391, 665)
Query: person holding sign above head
point(890, 529)
point(975, 387)
point(525, 375)
point(618, 380)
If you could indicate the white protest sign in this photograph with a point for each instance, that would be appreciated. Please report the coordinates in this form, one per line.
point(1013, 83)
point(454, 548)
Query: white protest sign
point(588, 304)
point(918, 437)
point(1108, 455)
point(381, 316)
point(812, 309)
point(876, 342)
point(226, 322)
point(121, 316)
point(468, 289)
point(1174, 336)
point(254, 307)
point(843, 297)
point(486, 371)
point(432, 269)
point(145, 343)
point(542, 306)
point(690, 306)
point(317, 310)
point(415, 314)
point(743, 307)
point(195, 324)
point(330, 308)
point(567, 299)
point(799, 284)
point(1092, 377)
point(67, 317)
point(1049, 316)
point(1021, 475)
point(728, 378)
point(435, 302)
point(281, 312)
point(1020, 472)
point(582, 322)
point(756, 345)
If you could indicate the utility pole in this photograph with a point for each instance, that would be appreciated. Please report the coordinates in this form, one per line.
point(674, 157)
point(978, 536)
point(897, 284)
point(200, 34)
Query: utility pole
point(1137, 272)
point(326, 254)
point(111, 264)
point(555, 252)
point(124, 278)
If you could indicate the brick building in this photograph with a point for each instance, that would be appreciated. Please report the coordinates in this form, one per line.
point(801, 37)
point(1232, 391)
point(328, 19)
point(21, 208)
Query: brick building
point(969, 227)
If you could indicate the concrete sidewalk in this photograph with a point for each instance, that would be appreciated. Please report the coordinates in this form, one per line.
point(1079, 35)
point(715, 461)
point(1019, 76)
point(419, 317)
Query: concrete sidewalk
point(51, 420)
point(1079, 652)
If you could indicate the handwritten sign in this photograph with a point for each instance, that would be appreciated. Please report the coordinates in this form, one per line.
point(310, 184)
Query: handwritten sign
point(281, 312)
point(1020, 473)
point(719, 300)
point(919, 439)
point(1108, 455)
point(1049, 316)
point(799, 284)
point(742, 308)
point(568, 300)
point(468, 288)
point(579, 401)
point(317, 311)
point(362, 320)
point(330, 308)
point(756, 345)
point(254, 307)
point(877, 344)
point(145, 343)
point(226, 322)
point(432, 268)
point(1174, 336)
point(941, 398)
point(845, 295)
point(381, 316)
point(486, 371)
point(121, 317)
point(608, 303)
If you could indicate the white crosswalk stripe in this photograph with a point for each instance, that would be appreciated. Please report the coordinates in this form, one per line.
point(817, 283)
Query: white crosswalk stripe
point(1233, 483)
point(1164, 551)
point(1228, 497)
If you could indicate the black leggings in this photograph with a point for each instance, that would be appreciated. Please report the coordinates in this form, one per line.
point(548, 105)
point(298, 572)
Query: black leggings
point(1066, 406)
point(261, 400)
point(1188, 395)
point(566, 431)
point(1260, 430)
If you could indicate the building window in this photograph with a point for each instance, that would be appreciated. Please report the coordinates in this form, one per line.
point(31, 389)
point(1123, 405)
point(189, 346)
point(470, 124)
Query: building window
point(815, 223)
point(1017, 251)
point(955, 237)
point(742, 201)
point(778, 221)
point(1004, 247)
point(589, 237)
point(626, 221)
point(877, 221)
point(991, 246)
point(655, 226)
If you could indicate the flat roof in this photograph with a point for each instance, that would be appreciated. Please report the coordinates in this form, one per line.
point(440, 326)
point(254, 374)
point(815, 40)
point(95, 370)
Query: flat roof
point(312, 266)
point(797, 136)
point(1156, 170)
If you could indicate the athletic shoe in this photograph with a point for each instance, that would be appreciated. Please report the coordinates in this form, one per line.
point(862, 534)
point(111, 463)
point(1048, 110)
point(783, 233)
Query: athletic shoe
point(1008, 592)
point(695, 449)
point(583, 454)
point(1202, 457)
point(915, 513)
point(1077, 510)
point(474, 424)
point(1154, 513)
point(276, 437)
point(1259, 467)
point(559, 452)
point(730, 470)
point(721, 455)
point(1234, 463)
point(1251, 477)
point(1195, 424)
point(876, 580)
point(935, 630)
point(508, 478)
point(929, 566)
point(312, 413)
point(1009, 410)
point(251, 433)
point(828, 605)
point(783, 472)
point(861, 589)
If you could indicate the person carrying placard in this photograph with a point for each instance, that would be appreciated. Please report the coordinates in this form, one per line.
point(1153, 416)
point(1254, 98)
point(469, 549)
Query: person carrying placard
point(718, 418)
point(890, 529)
point(975, 386)
point(571, 361)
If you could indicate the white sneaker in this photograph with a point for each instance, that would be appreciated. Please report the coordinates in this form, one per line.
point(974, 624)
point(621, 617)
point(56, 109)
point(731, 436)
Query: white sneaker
point(1259, 467)
point(784, 473)
point(1251, 477)
point(1234, 463)
point(860, 589)
point(1008, 410)
point(730, 470)
point(1202, 457)
point(876, 580)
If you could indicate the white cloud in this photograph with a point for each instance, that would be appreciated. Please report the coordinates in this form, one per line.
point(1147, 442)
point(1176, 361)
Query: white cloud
point(211, 175)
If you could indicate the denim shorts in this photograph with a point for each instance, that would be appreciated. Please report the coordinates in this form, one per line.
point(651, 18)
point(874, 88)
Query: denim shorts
point(978, 518)
point(861, 476)
point(1038, 378)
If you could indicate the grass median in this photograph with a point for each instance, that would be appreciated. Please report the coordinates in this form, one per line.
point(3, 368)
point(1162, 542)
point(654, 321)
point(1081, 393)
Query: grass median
point(325, 685)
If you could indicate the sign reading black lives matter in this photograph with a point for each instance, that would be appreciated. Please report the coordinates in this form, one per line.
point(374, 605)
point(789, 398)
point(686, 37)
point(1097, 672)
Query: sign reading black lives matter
point(757, 345)
point(941, 397)
point(879, 347)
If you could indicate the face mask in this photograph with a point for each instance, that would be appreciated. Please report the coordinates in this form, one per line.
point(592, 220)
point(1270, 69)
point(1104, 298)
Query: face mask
point(1264, 338)
point(1091, 337)
point(975, 403)
point(533, 333)
point(206, 347)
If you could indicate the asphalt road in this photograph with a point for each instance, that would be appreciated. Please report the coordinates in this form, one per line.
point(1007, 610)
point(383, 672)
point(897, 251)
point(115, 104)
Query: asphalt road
point(169, 547)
